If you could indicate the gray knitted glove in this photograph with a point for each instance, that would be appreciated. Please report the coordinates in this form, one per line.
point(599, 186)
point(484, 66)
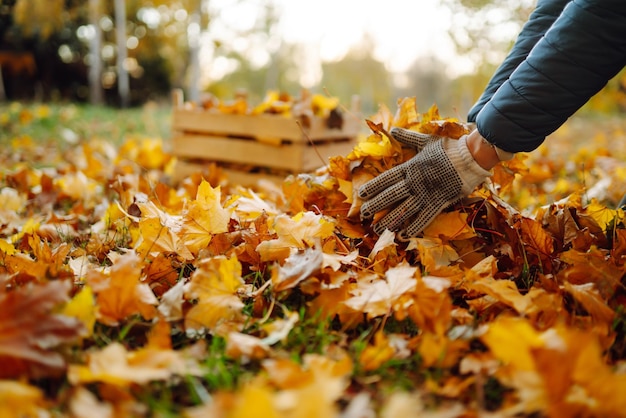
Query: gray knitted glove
point(442, 172)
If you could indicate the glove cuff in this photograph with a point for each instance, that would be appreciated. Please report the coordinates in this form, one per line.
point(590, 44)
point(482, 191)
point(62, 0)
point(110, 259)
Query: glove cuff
point(470, 172)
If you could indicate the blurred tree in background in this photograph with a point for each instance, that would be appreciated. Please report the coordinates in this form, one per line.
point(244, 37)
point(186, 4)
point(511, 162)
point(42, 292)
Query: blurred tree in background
point(51, 49)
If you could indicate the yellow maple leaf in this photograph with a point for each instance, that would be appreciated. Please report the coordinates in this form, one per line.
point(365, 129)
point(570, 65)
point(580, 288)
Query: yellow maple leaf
point(375, 296)
point(374, 355)
point(115, 365)
point(600, 213)
point(82, 306)
point(406, 113)
point(512, 340)
point(19, 399)
point(373, 146)
point(204, 218)
point(214, 284)
point(439, 350)
point(159, 232)
point(438, 259)
point(299, 232)
point(450, 226)
point(255, 400)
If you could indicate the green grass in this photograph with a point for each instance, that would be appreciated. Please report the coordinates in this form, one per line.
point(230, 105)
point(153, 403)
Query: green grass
point(66, 123)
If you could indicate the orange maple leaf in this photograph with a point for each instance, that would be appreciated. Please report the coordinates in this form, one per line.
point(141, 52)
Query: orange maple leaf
point(120, 292)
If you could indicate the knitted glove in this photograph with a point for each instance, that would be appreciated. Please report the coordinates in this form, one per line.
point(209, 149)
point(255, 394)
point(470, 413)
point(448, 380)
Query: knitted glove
point(442, 172)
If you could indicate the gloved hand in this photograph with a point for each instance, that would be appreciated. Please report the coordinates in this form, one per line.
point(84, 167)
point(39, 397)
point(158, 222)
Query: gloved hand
point(442, 172)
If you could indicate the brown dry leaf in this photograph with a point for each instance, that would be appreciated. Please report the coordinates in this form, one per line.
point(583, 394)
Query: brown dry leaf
point(85, 404)
point(246, 347)
point(536, 237)
point(589, 297)
point(120, 292)
point(591, 267)
point(30, 330)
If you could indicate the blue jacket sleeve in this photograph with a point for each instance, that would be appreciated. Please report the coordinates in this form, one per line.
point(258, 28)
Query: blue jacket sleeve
point(538, 23)
point(578, 55)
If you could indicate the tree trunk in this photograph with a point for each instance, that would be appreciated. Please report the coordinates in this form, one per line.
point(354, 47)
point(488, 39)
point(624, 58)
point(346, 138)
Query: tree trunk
point(120, 32)
point(95, 46)
point(193, 38)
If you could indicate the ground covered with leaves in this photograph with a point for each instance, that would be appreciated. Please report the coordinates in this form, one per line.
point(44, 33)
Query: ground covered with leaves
point(124, 294)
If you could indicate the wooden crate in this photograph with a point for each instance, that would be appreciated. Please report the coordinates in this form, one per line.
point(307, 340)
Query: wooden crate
point(250, 147)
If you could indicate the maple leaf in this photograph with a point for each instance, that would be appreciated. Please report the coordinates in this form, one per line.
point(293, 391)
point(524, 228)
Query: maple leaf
point(297, 268)
point(429, 306)
point(82, 306)
point(377, 145)
point(450, 226)
point(315, 386)
point(374, 355)
point(330, 303)
point(30, 330)
point(171, 304)
point(535, 236)
point(255, 400)
point(214, 285)
point(601, 214)
point(159, 232)
point(591, 267)
point(204, 218)
point(295, 233)
point(439, 350)
point(375, 296)
point(21, 400)
point(117, 366)
point(438, 259)
point(120, 292)
point(386, 239)
point(588, 296)
point(406, 113)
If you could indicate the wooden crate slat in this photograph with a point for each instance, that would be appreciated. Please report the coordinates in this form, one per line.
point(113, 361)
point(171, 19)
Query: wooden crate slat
point(260, 126)
point(186, 168)
point(298, 157)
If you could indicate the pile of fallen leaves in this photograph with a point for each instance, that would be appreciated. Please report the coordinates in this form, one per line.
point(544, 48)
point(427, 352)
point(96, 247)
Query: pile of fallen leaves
point(126, 295)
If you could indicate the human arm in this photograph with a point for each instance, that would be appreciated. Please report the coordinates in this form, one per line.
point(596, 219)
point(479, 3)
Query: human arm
point(539, 21)
point(579, 54)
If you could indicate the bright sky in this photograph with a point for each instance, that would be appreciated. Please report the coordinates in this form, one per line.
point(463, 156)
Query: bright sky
point(401, 29)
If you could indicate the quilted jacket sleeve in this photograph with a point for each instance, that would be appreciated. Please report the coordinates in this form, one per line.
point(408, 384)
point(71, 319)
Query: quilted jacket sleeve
point(538, 23)
point(583, 49)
